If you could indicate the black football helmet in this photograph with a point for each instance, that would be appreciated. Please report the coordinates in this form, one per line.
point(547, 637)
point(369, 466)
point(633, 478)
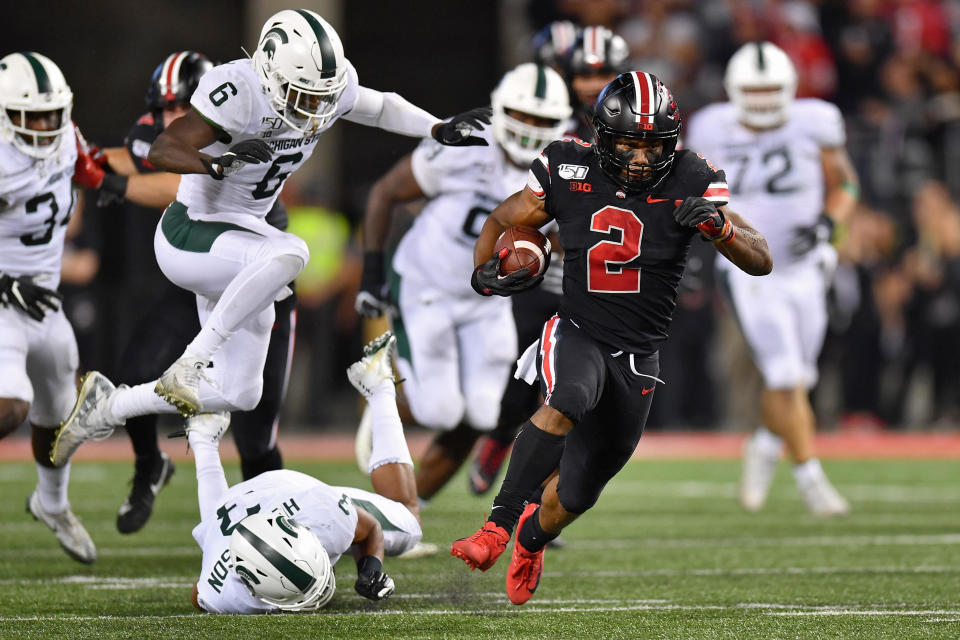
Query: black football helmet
point(176, 78)
point(552, 43)
point(636, 105)
point(597, 50)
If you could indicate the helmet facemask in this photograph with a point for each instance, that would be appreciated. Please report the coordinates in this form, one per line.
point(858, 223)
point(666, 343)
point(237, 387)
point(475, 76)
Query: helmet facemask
point(619, 166)
point(530, 109)
point(37, 143)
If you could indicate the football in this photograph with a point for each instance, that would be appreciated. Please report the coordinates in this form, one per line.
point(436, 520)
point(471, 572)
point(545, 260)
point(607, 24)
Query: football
point(527, 248)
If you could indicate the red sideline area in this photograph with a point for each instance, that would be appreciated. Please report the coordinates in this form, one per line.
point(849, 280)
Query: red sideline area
point(724, 445)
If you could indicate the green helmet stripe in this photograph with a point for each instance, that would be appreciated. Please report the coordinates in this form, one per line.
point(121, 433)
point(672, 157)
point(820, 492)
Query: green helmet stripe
point(541, 90)
point(327, 57)
point(292, 572)
point(43, 80)
point(280, 32)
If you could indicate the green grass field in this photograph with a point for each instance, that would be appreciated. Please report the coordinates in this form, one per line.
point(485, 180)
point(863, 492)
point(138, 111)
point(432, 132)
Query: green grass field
point(667, 553)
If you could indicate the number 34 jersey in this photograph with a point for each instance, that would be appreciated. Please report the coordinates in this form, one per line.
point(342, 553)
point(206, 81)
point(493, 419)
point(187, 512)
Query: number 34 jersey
point(776, 175)
point(624, 252)
point(463, 185)
point(36, 198)
point(232, 100)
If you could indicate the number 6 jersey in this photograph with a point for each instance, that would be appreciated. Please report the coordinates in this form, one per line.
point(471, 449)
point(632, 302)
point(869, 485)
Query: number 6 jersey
point(231, 99)
point(624, 253)
point(36, 198)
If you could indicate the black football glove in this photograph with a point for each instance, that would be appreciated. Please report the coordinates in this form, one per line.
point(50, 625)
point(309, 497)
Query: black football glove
point(27, 296)
point(806, 238)
point(456, 131)
point(238, 156)
point(705, 216)
point(373, 298)
point(113, 190)
point(372, 583)
point(487, 281)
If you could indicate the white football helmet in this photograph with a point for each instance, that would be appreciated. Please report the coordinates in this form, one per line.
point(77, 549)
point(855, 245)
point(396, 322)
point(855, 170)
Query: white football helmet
point(31, 83)
point(761, 82)
point(282, 562)
point(534, 90)
point(301, 66)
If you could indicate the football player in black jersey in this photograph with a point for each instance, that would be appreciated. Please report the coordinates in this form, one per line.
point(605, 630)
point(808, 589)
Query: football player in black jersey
point(627, 207)
point(170, 322)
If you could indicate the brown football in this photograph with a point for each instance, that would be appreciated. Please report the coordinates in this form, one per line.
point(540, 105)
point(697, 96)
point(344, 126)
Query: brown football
point(526, 247)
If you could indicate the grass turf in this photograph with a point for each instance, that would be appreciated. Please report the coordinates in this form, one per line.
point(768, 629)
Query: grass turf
point(666, 553)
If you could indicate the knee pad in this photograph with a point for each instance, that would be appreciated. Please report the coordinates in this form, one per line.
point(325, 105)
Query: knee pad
point(247, 397)
point(438, 413)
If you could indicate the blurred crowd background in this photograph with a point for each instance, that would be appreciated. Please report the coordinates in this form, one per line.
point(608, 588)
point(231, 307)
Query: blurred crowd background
point(892, 357)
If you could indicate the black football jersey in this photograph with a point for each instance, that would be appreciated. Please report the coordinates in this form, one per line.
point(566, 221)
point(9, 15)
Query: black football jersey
point(624, 253)
point(141, 137)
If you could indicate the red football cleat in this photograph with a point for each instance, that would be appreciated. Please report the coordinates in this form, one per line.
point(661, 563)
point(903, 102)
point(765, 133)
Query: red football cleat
point(483, 548)
point(523, 574)
point(486, 465)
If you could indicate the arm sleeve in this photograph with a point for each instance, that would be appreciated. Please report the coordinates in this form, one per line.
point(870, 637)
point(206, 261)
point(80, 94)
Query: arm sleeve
point(390, 112)
point(717, 190)
point(223, 99)
point(211, 481)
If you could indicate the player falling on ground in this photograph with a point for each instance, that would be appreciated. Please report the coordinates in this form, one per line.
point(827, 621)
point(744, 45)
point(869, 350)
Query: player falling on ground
point(252, 123)
point(791, 175)
point(628, 208)
point(269, 543)
point(456, 349)
point(166, 327)
point(588, 59)
point(38, 351)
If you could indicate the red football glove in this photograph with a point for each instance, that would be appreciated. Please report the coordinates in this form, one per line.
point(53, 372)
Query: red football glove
point(87, 172)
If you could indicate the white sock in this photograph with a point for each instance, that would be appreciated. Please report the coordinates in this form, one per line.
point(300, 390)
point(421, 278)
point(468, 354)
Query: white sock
point(52, 487)
point(389, 443)
point(255, 287)
point(211, 481)
point(808, 472)
point(139, 400)
point(768, 442)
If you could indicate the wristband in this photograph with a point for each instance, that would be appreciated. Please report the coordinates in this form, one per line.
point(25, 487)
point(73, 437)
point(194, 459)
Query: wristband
point(115, 184)
point(373, 263)
point(369, 565)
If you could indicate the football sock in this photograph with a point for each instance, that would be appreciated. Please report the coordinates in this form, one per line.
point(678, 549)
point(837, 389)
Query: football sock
point(536, 454)
point(139, 400)
point(255, 287)
point(143, 436)
point(768, 442)
point(211, 481)
point(532, 536)
point(52, 487)
point(270, 461)
point(389, 443)
point(808, 472)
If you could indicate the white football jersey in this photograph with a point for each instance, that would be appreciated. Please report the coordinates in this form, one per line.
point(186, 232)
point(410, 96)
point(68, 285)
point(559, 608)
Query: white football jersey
point(775, 176)
point(231, 98)
point(463, 185)
point(326, 510)
point(36, 199)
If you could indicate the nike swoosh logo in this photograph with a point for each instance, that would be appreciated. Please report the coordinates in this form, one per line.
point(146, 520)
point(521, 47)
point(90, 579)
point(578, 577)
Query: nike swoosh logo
point(644, 392)
point(155, 487)
point(652, 200)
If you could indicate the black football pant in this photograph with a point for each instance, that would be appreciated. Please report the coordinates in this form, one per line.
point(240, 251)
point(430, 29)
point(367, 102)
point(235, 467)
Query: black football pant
point(606, 394)
point(159, 339)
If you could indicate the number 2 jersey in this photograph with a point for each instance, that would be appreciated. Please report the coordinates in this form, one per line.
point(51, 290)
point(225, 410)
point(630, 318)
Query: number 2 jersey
point(36, 198)
point(776, 175)
point(463, 185)
point(327, 510)
point(232, 100)
point(624, 253)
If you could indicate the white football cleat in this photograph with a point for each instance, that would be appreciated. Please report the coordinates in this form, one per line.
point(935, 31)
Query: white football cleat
point(375, 366)
point(90, 418)
point(69, 531)
point(363, 442)
point(180, 385)
point(761, 453)
point(211, 425)
point(821, 498)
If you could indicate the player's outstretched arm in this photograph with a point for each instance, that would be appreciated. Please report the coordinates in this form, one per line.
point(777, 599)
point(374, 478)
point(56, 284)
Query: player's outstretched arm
point(390, 112)
point(730, 233)
point(396, 186)
point(176, 149)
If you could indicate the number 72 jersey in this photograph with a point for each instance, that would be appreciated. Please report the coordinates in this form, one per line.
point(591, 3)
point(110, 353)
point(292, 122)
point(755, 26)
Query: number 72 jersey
point(624, 253)
point(36, 198)
point(229, 97)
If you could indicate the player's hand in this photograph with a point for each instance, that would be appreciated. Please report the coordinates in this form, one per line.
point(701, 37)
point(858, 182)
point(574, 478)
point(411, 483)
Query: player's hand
point(87, 172)
point(806, 238)
point(487, 281)
point(373, 299)
point(27, 296)
point(237, 157)
point(372, 583)
point(704, 215)
point(456, 131)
